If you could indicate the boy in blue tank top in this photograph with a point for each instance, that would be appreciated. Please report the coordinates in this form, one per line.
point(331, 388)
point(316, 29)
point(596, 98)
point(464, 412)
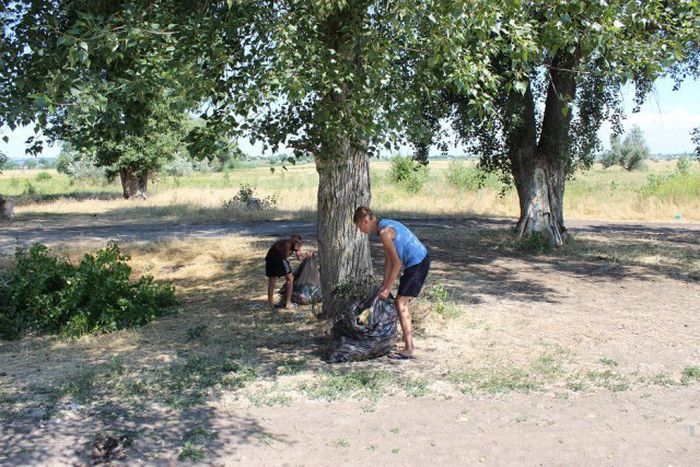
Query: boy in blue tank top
point(401, 247)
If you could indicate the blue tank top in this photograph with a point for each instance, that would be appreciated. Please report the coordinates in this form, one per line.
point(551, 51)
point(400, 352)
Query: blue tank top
point(411, 251)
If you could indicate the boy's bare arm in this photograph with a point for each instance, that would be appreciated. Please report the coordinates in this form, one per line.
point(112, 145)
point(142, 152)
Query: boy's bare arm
point(391, 271)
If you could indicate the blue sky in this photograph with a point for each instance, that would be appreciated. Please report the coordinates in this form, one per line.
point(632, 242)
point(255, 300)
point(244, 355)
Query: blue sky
point(666, 119)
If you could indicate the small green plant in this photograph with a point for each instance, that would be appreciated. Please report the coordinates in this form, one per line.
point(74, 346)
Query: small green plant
point(607, 361)
point(683, 165)
point(339, 443)
point(246, 199)
point(534, 243)
point(29, 189)
point(690, 374)
point(438, 295)
point(191, 453)
point(42, 176)
point(196, 333)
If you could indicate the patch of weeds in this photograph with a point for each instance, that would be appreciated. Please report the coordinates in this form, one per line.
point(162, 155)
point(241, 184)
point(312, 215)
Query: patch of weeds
point(520, 418)
point(266, 439)
point(548, 365)
point(200, 435)
point(371, 448)
point(576, 386)
point(663, 379)
point(415, 387)
point(116, 367)
point(608, 379)
point(268, 398)
point(188, 384)
point(562, 395)
point(395, 430)
point(339, 443)
point(535, 243)
point(437, 295)
point(369, 384)
point(196, 333)
point(690, 374)
point(607, 361)
point(494, 380)
point(395, 451)
point(291, 366)
point(81, 386)
point(191, 453)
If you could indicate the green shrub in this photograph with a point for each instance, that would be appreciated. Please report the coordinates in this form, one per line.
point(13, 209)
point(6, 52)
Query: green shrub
point(41, 176)
point(246, 199)
point(47, 294)
point(464, 178)
point(672, 185)
point(683, 165)
point(408, 173)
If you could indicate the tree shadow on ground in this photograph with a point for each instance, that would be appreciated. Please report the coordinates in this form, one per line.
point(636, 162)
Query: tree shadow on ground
point(227, 338)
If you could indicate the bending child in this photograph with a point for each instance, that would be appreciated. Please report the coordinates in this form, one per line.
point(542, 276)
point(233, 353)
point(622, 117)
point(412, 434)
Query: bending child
point(277, 265)
point(401, 247)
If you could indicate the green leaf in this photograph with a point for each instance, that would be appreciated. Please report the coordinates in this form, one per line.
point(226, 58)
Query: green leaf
point(520, 86)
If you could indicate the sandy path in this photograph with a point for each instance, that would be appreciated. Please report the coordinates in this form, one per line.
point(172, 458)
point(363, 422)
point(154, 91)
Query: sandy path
point(630, 428)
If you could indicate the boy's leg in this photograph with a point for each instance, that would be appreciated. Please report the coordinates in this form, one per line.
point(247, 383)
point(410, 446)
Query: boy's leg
point(290, 287)
point(405, 321)
point(271, 290)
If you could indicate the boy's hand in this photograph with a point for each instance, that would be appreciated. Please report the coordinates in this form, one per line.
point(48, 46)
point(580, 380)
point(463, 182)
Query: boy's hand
point(384, 293)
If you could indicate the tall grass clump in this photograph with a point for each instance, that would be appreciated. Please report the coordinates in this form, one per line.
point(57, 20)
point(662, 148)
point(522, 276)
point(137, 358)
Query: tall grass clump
point(409, 174)
point(48, 295)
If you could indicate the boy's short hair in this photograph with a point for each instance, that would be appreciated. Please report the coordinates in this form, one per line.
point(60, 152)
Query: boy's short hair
point(295, 238)
point(361, 213)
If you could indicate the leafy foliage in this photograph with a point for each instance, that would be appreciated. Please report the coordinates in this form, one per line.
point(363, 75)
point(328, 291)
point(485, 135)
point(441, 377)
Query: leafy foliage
point(3, 160)
point(408, 173)
point(47, 294)
point(246, 199)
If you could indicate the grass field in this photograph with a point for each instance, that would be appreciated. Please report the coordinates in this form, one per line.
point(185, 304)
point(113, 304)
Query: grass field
point(655, 194)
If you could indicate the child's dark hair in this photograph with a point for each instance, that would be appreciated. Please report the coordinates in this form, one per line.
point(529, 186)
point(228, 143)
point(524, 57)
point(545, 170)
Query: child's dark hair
point(295, 238)
point(361, 213)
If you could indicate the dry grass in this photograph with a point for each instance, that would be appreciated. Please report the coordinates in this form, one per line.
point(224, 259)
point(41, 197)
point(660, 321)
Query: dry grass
point(606, 194)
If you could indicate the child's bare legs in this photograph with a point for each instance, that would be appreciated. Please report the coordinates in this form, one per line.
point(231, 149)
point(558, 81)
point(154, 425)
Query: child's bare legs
point(271, 290)
point(405, 321)
point(290, 285)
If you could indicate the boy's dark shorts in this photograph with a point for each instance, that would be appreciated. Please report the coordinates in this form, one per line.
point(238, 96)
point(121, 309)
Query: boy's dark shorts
point(413, 278)
point(276, 267)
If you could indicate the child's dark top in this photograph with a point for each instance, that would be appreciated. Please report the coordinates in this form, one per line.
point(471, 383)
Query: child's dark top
point(281, 249)
point(276, 264)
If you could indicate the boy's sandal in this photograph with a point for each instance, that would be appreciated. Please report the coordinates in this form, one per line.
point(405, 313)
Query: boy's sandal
point(400, 356)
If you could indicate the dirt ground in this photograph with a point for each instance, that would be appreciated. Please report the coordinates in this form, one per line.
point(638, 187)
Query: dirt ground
point(585, 356)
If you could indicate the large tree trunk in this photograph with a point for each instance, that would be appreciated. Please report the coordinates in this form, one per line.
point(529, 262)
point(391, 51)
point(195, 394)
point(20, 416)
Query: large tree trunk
point(344, 254)
point(134, 185)
point(540, 169)
point(540, 192)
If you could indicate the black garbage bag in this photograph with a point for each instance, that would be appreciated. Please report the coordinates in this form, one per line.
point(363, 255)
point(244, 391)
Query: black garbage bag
point(307, 283)
point(367, 330)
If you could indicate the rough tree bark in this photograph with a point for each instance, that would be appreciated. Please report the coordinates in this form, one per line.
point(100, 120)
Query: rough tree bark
point(539, 167)
point(343, 185)
point(134, 185)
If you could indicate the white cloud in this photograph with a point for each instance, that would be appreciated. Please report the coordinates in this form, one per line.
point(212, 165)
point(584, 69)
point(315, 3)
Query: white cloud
point(666, 133)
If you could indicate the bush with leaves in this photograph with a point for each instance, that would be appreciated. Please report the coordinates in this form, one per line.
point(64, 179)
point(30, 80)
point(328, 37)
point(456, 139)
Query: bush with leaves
point(630, 153)
point(246, 199)
point(408, 173)
point(46, 294)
